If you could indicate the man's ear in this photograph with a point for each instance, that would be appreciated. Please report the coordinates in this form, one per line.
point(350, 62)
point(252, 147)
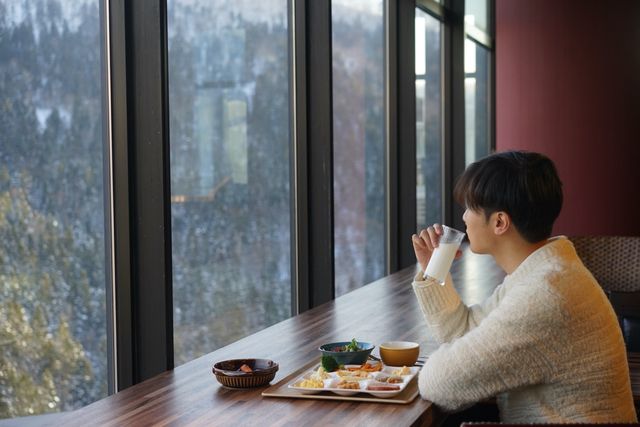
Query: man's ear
point(501, 222)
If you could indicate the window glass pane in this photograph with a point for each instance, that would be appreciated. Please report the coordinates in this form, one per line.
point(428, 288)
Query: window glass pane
point(53, 335)
point(476, 86)
point(230, 149)
point(475, 13)
point(429, 144)
point(358, 138)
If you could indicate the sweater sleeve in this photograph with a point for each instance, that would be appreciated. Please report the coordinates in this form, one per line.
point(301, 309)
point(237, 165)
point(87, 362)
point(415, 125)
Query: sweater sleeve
point(446, 316)
point(509, 349)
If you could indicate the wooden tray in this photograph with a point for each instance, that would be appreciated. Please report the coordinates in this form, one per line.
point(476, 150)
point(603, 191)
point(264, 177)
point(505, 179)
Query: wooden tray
point(281, 389)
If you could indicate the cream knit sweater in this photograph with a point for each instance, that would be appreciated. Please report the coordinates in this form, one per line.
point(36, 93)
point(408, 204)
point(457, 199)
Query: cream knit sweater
point(546, 343)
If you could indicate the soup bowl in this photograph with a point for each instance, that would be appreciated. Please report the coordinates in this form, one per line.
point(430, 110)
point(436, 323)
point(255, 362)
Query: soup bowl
point(399, 353)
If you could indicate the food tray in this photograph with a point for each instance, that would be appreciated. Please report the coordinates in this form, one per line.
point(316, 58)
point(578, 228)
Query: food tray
point(385, 383)
point(281, 390)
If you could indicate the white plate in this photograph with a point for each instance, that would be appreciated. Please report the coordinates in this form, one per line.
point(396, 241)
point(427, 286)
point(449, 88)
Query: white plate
point(386, 393)
point(330, 384)
point(304, 390)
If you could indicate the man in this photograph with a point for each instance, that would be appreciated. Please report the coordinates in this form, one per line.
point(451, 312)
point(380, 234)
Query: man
point(546, 343)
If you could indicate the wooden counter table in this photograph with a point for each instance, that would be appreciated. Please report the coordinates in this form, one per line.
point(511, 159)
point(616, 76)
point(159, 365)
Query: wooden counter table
point(382, 311)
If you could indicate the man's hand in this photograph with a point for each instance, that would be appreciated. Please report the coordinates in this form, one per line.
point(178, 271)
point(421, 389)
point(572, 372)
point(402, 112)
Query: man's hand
point(426, 242)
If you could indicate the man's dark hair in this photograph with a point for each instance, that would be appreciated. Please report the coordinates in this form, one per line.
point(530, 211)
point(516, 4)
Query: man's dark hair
point(524, 185)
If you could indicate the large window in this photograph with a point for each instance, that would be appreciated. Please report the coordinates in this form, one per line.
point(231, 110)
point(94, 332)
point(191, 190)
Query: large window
point(476, 13)
point(477, 81)
point(230, 174)
point(176, 176)
point(359, 142)
point(476, 91)
point(53, 333)
point(429, 143)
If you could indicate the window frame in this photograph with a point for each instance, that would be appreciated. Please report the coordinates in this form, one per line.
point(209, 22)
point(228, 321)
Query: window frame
point(312, 214)
point(119, 301)
point(485, 39)
point(142, 324)
point(451, 15)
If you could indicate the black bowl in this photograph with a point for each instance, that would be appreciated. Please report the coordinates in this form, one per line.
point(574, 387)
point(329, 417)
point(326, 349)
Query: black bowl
point(347, 357)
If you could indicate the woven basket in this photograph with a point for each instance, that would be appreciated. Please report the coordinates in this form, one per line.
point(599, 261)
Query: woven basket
point(227, 372)
point(243, 381)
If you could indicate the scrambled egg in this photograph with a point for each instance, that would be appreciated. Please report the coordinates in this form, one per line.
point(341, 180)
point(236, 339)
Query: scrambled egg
point(311, 383)
point(315, 380)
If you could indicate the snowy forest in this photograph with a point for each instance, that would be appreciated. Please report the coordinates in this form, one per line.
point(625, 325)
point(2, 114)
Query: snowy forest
point(230, 178)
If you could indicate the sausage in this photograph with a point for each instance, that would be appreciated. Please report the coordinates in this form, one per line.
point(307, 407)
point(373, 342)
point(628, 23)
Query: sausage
point(383, 388)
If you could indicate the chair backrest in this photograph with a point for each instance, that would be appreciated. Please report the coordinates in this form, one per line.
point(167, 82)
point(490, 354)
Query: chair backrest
point(613, 260)
point(483, 424)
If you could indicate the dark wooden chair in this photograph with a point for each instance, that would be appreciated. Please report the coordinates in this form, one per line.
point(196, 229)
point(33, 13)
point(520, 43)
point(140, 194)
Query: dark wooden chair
point(483, 424)
point(615, 263)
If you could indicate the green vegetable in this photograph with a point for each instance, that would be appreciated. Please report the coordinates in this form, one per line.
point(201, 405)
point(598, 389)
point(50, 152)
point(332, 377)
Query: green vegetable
point(329, 363)
point(352, 346)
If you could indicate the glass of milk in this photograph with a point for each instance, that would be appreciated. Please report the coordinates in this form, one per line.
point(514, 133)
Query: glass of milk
point(442, 256)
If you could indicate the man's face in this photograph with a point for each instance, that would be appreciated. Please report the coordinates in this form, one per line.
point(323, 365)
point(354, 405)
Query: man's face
point(479, 231)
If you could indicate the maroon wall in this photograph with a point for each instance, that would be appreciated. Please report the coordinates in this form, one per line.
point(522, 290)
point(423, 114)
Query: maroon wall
point(568, 85)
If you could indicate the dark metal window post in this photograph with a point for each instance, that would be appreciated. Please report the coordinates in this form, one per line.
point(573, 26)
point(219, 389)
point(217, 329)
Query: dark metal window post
point(455, 109)
point(143, 325)
point(405, 189)
point(120, 307)
point(150, 185)
point(312, 155)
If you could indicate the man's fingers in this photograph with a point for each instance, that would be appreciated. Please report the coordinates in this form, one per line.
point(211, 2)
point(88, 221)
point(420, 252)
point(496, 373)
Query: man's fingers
point(418, 241)
point(426, 238)
point(433, 237)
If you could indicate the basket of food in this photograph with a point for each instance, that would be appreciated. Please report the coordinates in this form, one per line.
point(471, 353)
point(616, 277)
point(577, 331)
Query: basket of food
point(245, 373)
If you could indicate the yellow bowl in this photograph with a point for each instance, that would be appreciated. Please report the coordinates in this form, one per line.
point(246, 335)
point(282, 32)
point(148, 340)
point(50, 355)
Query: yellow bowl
point(399, 353)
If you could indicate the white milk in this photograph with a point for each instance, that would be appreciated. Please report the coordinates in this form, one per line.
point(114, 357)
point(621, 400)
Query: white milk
point(441, 260)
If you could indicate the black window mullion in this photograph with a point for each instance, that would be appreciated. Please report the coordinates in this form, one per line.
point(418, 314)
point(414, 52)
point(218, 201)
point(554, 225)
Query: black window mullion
point(300, 295)
point(147, 96)
point(492, 77)
point(392, 238)
point(121, 344)
point(447, 174)
point(319, 145)
point(406, 132)
point(455, 99)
